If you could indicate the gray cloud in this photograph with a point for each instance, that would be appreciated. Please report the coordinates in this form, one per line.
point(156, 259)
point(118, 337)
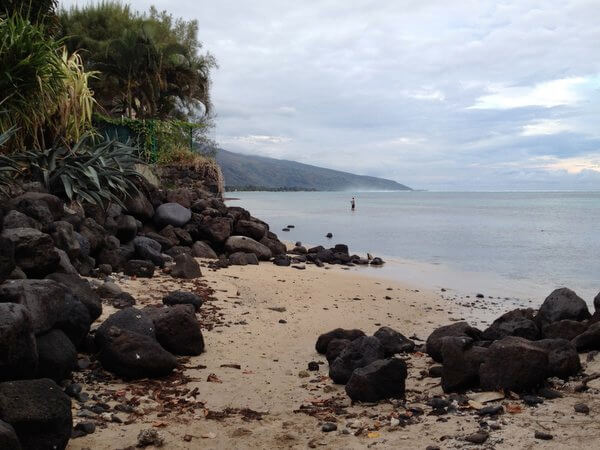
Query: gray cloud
point(434, 94)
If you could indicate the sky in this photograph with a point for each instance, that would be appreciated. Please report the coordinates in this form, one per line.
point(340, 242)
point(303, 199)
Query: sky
point(461, 95)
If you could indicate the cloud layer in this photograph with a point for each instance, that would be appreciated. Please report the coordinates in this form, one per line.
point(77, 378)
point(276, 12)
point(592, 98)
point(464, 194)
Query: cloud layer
point(434, 94)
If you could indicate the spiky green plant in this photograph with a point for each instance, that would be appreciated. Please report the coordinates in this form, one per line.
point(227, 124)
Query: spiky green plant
point(32, 77)
point(92, 171)
point(8, 167)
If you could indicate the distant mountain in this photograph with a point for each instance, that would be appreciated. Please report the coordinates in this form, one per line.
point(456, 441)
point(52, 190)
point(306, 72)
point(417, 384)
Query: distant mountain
point(261, 173)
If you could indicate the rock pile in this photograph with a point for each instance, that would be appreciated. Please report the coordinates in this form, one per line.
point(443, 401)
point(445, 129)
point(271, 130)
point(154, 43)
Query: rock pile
point(367, 364)
point(520, 349)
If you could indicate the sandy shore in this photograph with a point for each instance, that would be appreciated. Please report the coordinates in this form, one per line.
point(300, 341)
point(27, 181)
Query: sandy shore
point(266, 320)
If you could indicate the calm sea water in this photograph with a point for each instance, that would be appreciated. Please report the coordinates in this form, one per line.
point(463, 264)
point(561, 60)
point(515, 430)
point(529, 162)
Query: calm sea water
point(524, 243)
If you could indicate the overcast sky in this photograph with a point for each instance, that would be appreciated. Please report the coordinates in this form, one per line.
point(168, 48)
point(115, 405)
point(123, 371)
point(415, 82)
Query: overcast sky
point(478, 95)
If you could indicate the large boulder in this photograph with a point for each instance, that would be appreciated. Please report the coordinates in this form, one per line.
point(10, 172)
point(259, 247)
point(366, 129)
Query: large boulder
point(172, 214)
point(74, 321)
point(81, 289)
point(394, 342)
point(165, 242)
point(275, 245)
point(93, 232)
point(43, 299)
point(242, 259)
point(379, 380)
point(18, 351)
point(514, 364)
point(518, 322)
point(7, 258)
point(360, 353)
point(65, 239)
point(459, 329)
point(126, 228)
point(247, 245)
point(562, 304)
point(460, 370)
point(130, 319)
point(34, 251)
point(250, 228)
point(57, 355)
point(177, 329)
point(588, 340)
point(182, 196)
point(54, 204)
point(564, 329)
point(16, 219)
point(39, 411)
point(139, 268)
point(563, 360)
point(140, 207)
point(201, 249)
point(335, 348)
point(132, 355)
point(183, 298)
point(186, 267)
point(8, 437)
point(149, 249)
point(215, 229)
point(339, 333)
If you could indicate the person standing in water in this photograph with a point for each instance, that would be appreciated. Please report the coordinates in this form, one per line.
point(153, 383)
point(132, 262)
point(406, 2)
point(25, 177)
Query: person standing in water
point(352, 204)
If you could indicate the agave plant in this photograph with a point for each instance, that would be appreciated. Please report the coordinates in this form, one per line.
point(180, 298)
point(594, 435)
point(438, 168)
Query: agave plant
point(91, 171)
point(8, 166)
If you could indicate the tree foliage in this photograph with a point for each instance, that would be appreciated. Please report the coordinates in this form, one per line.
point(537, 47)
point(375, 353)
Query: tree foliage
point(151, 65)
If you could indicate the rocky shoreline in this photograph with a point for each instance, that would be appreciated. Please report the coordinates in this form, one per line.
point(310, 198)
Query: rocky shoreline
point(68, 328)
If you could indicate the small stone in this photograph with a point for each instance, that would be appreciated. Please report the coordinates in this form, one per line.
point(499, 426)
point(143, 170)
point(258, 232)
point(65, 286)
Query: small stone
point(432, 447)
point(282, 321)
point(532, 400)
point(329, 235)
point(543, 436)
point(149, 437)
point(86, 427)
point(116, 419)
point(303, 374)
point(435, 372)
point(582, 408)
point(328, 427)
point(313, 366)
point(73, 390)
point(490, 410)
point(477, 438)
point(549, 394)
point(480, 296)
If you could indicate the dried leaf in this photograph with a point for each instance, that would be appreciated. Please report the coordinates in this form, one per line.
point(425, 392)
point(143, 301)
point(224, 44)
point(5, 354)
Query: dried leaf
point(514, 408)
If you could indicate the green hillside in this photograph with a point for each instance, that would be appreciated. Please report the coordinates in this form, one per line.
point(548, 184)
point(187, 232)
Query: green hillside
point(246, 171)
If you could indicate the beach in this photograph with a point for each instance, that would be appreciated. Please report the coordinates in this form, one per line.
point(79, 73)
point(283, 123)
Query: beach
point(260, 329)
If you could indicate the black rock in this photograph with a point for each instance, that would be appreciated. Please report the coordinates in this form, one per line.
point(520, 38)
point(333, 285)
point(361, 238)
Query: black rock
point(477, 438)
point(377, 261)
point(39, 411)
point(460, 369)
point(16, 219)
point(201, 249)
point(57, 355)
point(563, 360)
point(458, 329)
point(8, 437)
point(183, 298)
point(123, 300)
point(75, 320)
point(43, 299)
point(329, 235)
point(126, 228)
point(149, 249)
point(435, 372)
point(562, 304)
point(130, 319)
point(139, 268)
point(532, 400)
point(177, 329)
point(543, 435)
point(589, 340)
point(581, 408)
point(338, 333)
point(394, 342)
point(85, 427)
point(518, 322)
point(139, 206)
point(379, 380)
point(172, 214)
point(514, 364)
point(491, 410)
point(131, 355)
point(250, 228)
point(335, 348)
point(186, 267)
point(7, 258)
point(564, 329)
point(328, 427)
point(81, 289)
point(243, 259)
point(18, 350)
point(360, 353)
point(282, 260)
point(34, 251)
point(313, 366)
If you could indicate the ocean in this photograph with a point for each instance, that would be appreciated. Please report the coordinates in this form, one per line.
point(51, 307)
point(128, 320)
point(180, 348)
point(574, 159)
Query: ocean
point(509, 244)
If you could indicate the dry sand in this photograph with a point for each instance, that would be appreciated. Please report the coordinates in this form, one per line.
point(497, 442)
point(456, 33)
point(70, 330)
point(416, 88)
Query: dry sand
point(273, 379)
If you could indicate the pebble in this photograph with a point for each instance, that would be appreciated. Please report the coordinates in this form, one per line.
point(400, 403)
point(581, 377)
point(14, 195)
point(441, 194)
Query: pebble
point(282, 321)
point(313, 366)
point(582, 408)
point(73, 390)
point(477, 438)
point(490, 410)
point(303, 374)
point(328, 427)
point(549, 394)
point(543, 436)
point(86, 427)
point(532, 400)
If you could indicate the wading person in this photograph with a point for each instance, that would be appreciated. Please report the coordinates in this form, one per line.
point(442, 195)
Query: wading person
point(352, 204)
